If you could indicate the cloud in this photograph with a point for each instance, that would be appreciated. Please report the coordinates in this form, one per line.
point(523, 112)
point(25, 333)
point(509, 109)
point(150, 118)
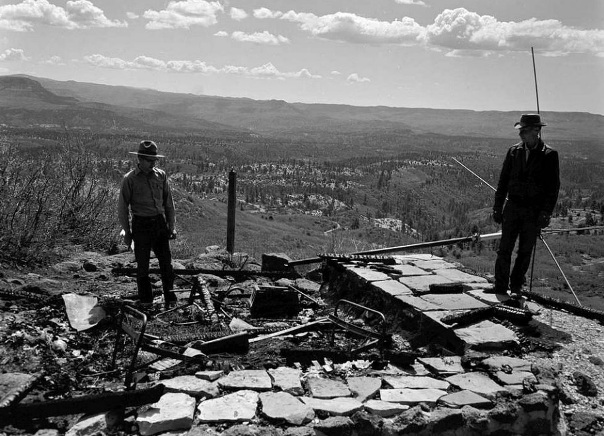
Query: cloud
point(238, 14)
point(347, 27)
point(54, 60)
point(221, 33)
point(461, 31)
point(78, 14)
point(266, 71)
point(355, 78)
point(13, 54)
point(260, 38)
point(411, 2)
point(183, 15)
point(132, 15)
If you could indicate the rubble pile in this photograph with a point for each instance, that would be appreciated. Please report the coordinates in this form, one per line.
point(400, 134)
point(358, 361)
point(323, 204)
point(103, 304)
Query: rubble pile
point(404, 345)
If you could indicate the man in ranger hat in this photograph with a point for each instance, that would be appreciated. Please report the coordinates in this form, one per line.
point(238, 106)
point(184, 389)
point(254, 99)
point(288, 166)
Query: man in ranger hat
point(524, 201)
point(145, 194)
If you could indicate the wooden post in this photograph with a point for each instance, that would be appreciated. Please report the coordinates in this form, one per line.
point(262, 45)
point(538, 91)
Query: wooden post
point(231, 212)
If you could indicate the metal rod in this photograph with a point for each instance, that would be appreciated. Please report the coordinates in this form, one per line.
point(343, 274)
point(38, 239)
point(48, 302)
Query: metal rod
point(535, 74)
point(560, 268)
point(231, 212)
point(480, 178)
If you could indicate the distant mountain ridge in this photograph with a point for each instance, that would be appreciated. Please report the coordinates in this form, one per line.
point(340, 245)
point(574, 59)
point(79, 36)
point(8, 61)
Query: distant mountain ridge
point(137, 108)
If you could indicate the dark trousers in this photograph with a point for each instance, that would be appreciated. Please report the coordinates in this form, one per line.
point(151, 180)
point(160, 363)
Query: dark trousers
point(519, 223)
point(151, 233)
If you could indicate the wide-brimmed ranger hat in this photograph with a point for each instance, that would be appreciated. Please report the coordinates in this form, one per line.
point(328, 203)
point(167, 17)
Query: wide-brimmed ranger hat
point(147, 149)
point(529, 120)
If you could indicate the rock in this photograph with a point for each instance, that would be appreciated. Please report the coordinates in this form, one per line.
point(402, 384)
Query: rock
point(384, 408)
point(256, 380)
point(476, 382)
point(327, 388)
point(535, 402)
point(364, 388)
point(89, 425)
point(585, 384)
point(414, 382)
point(287, 379)
point(465, 398)
point(596, 360)
point(366, 424)
point(90, 266)
point(411, 397)
point(337, 406)
point(335, 426)
point(236, 407)
point(191, 385)
point(281, 406)
point(173, 411)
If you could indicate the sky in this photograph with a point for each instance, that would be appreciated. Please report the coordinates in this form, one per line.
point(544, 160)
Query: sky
point(469, 54)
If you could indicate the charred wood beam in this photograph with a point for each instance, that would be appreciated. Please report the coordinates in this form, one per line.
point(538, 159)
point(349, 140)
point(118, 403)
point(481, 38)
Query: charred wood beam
point(85, 404)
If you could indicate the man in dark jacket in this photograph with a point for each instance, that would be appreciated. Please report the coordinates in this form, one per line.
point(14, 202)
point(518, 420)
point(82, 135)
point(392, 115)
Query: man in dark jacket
point(528, 186)
point(146, 195)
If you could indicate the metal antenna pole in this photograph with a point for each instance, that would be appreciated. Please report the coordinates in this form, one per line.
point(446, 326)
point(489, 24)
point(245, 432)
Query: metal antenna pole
point(535, 74)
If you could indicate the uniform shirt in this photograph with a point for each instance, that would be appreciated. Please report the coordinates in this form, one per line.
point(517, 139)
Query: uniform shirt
point(146, 195)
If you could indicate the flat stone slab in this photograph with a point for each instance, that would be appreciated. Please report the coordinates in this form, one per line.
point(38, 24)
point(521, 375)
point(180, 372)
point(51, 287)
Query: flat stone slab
point(384, 408)
point(465, 398)
point(496, 363)
point(368, 274)
point(173, 411)
point(287, 379)
point(409, 270)
point(417, 303)
point(239, 406)
point(433, 264)
point(476, 382)
point(253, 379)
point(487, 297)
point(392, 287)
point(12, 385)
point(454, 301)
point(338, 406)
point(191, 385)
point(411, 397)
point(326, 388)
point(515, 378)
point(459, 276)
point(209, 375)
point(282, 406)
point(421, 284)
point(443, 365)
point(364, 388)
point(416, 382)
point(487, 334)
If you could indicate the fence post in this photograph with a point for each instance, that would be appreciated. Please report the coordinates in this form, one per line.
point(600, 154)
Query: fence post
point(231, 212)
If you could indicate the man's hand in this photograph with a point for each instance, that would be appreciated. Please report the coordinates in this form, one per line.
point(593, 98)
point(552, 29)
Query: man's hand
point(497, 216)
point(127, 238)
point(543, 220)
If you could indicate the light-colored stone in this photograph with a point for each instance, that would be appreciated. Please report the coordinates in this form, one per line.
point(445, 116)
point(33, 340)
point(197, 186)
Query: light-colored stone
point(343, 406)
point(287, 379)
point(392, 287)
point(411, 397)
point(454, 301)
point(191, 385)
point(459, 276)
point(515, 378)
point(88, 425)
point(238, 406)
point(326, 388)
point(496, 363)
point(368, 274)
point(487, 334)
point(421, 284)
point(409, 270)
point(209, 375)
point(443, 365)
point(282, 406)
point(173, 411)
point(253, 379)
point(433, 264)
point(384, 408)
point(476, 382)
point(364, 388)
point(465, 398)
point(416, 303)
point(413, 382)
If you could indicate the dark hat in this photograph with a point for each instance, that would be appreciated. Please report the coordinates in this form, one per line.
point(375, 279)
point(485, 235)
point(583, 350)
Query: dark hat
point(529, 120)
point(147, 149)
